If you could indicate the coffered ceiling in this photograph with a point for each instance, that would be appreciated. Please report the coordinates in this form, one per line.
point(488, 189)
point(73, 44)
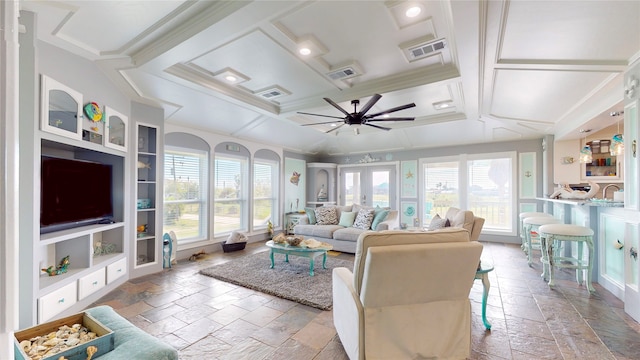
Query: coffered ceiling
point(505, 70)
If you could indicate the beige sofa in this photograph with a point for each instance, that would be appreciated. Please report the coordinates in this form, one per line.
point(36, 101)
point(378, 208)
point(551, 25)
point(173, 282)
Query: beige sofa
point(408, 295)
point(342, 238)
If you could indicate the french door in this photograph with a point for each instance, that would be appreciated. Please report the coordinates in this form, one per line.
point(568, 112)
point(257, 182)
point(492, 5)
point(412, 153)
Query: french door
point(369, 185)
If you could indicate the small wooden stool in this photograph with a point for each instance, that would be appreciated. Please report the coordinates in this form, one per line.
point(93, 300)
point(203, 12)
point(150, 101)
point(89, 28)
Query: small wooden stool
point(531, 224)
point(524, 215)
point(552, 235)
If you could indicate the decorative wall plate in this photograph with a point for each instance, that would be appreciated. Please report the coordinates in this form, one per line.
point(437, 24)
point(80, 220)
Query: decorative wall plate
point(93, 111)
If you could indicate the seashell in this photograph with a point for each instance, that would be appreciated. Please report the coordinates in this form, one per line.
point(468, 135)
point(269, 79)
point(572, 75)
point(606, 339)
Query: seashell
point(92, 335)
point(73, 342)
point(74, 336)
point(51, 335)
point(25, 345)
point(52, 342)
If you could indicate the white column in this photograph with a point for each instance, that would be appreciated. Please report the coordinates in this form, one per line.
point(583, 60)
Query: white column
point(9, 49)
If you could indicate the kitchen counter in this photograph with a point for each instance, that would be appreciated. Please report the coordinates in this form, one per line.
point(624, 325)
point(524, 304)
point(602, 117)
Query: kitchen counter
point(606, 219)
point(590, 202)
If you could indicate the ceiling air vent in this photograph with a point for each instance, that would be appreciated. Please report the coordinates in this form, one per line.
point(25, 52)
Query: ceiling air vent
point(345, 72)
point(425, 49)
point(272, 93)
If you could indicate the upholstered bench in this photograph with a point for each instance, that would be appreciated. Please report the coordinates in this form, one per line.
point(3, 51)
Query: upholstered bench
point(130, 341)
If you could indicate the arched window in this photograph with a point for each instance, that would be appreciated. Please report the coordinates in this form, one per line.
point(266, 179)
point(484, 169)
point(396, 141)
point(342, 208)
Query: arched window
point(186, 183)
point(231, 188)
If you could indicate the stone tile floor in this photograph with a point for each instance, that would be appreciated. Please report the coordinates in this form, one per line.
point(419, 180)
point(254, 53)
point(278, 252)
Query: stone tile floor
point(205, 318)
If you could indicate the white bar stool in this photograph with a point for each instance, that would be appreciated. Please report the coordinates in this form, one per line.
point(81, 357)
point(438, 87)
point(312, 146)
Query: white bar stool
point(524, 215)
point(531, 224)
point(552, 235)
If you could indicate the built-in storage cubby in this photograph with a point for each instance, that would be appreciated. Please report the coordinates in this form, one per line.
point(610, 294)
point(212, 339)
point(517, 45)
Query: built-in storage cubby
point(604, 166)
point(321, 184)
point(148, 222)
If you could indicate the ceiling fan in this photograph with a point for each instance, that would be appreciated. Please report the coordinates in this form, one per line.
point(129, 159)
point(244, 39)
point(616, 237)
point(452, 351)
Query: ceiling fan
point(361, 117)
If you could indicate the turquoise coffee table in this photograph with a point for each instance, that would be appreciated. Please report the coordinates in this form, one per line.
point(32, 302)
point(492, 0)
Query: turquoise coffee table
point(301, 251)
point(483, 274)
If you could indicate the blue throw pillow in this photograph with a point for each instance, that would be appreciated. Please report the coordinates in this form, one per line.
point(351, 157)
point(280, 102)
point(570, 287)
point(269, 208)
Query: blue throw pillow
point(379, 217)
point(311, 214)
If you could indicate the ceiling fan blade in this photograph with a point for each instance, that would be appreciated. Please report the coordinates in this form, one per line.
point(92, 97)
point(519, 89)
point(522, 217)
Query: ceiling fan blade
point(379, 127)
point(393, 119)
point(374, 99)
point(393, 110)
point(336, 106)
point(335, 128)
point(329, 116)
point(320, 123)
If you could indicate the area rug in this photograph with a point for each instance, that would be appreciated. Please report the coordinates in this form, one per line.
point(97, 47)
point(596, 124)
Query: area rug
point(286, 280)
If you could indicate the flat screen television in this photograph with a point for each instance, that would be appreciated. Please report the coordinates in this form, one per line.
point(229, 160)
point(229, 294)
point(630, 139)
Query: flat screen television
point(74, 193)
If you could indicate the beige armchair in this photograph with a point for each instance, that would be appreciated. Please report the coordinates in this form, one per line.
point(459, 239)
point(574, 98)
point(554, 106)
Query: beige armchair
point(408, 295)
point(466, 220)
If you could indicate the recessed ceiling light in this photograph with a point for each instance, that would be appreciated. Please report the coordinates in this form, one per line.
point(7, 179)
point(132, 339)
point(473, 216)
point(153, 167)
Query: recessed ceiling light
point(304, 51)
point(413, 11)
point(230, 76)
point(440, 105)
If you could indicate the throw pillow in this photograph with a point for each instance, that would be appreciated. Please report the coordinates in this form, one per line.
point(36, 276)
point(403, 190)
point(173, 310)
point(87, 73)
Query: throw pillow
point(311, 215)
point(438, 223)
point(326, 215)
point(379, 216)
point(347, 218)
point(364, 219)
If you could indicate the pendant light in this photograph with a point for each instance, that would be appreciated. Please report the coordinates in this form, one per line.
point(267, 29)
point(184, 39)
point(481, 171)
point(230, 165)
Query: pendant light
point(586, 156)
point(617, 141)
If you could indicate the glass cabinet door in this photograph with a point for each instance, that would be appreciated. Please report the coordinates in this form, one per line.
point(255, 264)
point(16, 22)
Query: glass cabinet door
point(115, 129)
point(61, 109)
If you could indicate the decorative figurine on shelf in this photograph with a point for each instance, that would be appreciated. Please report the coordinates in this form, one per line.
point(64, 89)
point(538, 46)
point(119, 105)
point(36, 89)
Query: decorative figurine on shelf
point(142, 230)
point(322, 194)
point(61, 269)
point(143, 165)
